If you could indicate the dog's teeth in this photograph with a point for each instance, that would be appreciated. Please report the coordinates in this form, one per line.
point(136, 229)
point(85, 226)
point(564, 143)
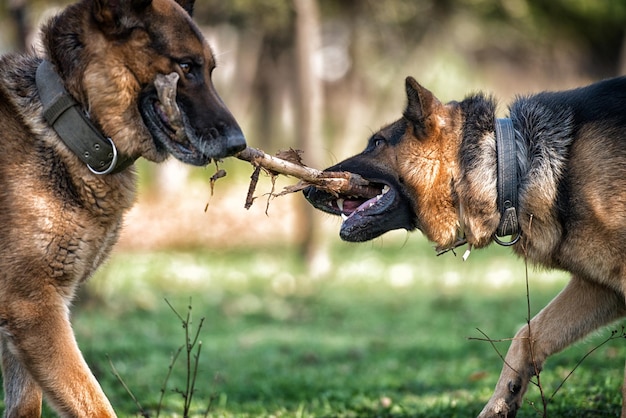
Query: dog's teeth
point(340, 204)
point(385, 189)
point(344, 216)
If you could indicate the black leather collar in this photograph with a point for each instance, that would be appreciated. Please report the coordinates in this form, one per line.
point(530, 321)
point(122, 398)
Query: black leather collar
point(73, 126)
point(506, 148)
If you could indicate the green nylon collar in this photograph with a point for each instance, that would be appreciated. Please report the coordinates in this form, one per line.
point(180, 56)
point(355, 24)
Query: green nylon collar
point(73, 126)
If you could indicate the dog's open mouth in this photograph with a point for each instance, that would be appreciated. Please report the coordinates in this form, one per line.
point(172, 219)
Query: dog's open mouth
point(349, 206)
point(364, 217)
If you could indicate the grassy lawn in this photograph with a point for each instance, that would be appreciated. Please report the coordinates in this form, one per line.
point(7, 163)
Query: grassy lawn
point(385, 334)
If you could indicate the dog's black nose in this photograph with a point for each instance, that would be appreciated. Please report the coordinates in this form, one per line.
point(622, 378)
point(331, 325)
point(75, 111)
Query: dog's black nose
point(235, 141)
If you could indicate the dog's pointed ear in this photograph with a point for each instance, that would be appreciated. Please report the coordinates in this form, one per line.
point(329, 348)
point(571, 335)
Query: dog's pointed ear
point(421, 102)
point(109, 13)
point(187, 5)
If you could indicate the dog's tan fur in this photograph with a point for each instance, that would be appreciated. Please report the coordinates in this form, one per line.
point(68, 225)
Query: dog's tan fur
point(440, 162)
point(59, 220)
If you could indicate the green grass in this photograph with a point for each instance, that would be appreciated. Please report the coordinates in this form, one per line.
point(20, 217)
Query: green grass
point(385, 334)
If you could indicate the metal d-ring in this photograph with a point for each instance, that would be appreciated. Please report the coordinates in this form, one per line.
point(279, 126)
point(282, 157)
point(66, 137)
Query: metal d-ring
point(111, 166)
point(513, 241)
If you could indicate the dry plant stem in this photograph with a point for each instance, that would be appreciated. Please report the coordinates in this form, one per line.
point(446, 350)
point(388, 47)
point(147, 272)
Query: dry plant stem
point(166, 380)
point(192, 360)
point(493, 345)
point(531, 341)
point(127, 389)
point(334, 182)
point(254, 179)
point(615, 334)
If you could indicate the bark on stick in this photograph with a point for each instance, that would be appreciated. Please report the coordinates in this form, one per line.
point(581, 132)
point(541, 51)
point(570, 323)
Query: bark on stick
point(339, 182)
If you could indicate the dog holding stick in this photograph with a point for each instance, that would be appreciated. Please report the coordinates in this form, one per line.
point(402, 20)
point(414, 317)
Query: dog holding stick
point(551, 176)
point(73, 121)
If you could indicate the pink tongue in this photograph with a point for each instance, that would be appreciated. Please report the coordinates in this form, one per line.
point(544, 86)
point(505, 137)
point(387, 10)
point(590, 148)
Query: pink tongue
point(365, 205)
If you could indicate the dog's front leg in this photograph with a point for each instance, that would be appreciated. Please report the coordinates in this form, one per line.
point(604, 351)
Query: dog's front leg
point(22, 395)
point(39, 336)
point(579, 309)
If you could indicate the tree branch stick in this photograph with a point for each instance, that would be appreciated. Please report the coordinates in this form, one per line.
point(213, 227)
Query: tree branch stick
point(339, 182)
point(336, 183)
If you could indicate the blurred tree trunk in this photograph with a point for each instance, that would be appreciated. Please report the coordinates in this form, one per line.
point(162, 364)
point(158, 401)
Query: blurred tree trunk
point(309, 99)
point(17, 9)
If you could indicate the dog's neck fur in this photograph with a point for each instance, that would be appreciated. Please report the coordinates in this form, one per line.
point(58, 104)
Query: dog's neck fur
point(476, 186)
point(541, 138)
point(88, 72)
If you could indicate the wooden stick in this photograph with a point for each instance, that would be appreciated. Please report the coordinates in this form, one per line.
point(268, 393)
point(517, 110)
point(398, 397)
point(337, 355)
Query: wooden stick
point(338, 182)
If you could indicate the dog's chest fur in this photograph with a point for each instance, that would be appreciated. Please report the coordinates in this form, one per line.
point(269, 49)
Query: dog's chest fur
point(57, 217)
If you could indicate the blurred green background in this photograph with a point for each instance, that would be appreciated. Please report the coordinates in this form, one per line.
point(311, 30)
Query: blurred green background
point(297, 322)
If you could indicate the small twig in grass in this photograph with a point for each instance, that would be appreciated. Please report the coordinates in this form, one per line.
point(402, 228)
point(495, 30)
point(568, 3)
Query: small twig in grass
point(170, 367)
point(192, 360)
point(531, 341)
point(493, 345)
point(142, 411)
point(615, 334)
point(192, 342)
point(212, 398)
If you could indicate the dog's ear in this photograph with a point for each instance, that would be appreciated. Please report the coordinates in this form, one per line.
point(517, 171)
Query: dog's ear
point(187, 5)
point(421, 102)
point(114, 16)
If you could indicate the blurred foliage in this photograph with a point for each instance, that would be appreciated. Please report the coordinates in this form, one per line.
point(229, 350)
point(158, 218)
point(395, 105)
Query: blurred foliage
point(384, 41)
point(598, 27)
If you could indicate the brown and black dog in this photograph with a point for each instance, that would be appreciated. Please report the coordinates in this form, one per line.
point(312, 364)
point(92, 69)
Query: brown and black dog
point(72, 122)
point(436, 168)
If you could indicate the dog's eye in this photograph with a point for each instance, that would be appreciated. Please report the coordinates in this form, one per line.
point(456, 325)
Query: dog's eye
point(378, 142)
point(375, 143)
point(185, 67)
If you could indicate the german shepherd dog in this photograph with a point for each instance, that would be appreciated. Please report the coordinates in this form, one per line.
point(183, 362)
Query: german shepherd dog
point(436, 168)
point(72, 122)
